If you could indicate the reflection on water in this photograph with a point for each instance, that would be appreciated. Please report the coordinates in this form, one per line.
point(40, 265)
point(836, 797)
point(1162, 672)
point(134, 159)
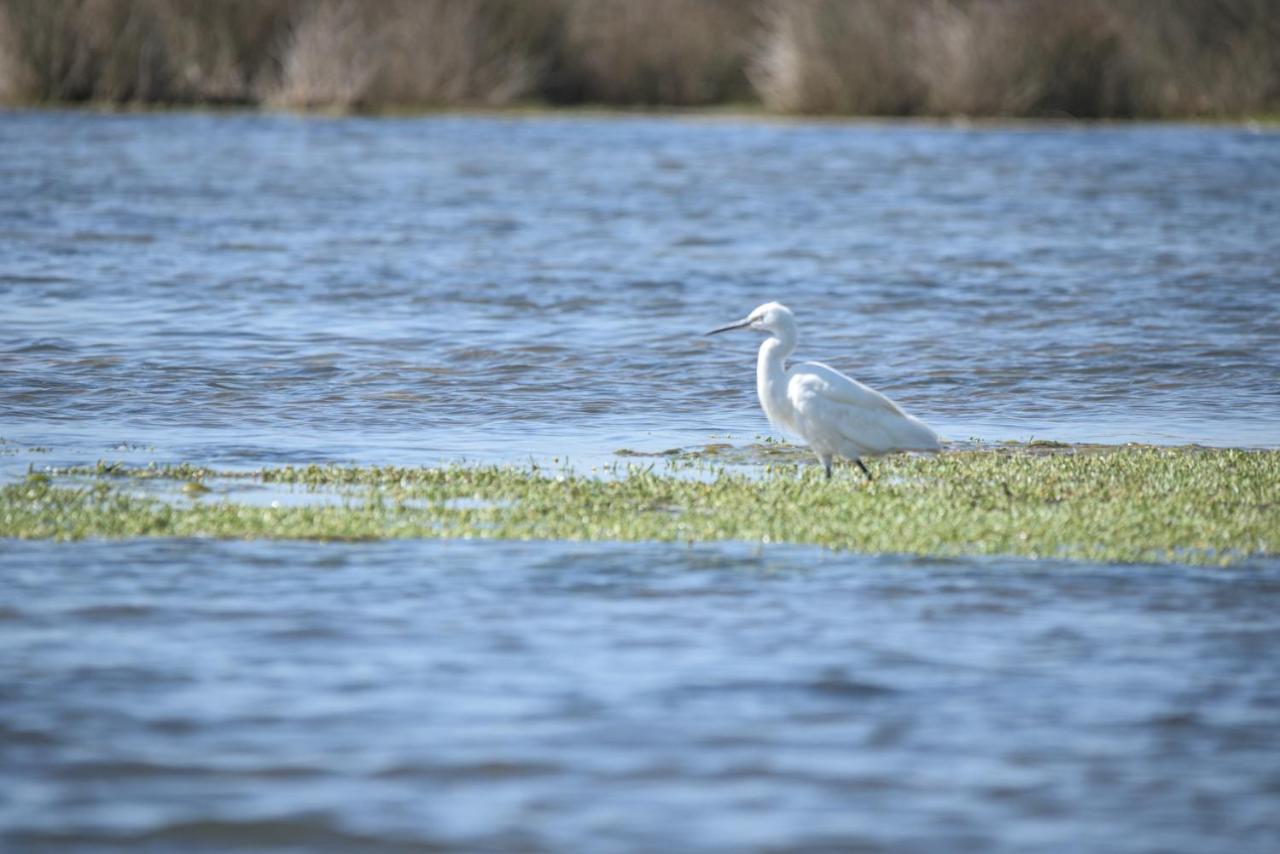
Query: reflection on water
point(544, 696)
point(267, 288)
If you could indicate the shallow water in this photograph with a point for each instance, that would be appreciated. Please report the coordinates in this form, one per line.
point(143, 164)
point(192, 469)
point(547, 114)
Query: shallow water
point(251, 288)
point(237, 290)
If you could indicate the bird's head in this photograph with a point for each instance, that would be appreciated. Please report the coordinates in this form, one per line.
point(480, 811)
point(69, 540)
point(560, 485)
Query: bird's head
point(773, 318)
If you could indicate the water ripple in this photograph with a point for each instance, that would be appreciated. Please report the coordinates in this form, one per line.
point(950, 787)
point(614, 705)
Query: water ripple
point(287, 695)
point(1001, 283)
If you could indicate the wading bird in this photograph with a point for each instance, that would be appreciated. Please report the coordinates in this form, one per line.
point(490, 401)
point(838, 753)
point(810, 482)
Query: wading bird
point(834, 414)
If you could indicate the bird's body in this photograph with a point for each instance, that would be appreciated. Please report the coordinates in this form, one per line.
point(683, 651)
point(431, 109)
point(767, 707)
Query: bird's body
point(835, 415)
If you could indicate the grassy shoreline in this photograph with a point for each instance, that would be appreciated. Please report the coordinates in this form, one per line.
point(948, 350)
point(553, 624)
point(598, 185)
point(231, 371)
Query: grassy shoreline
point(1113, 504)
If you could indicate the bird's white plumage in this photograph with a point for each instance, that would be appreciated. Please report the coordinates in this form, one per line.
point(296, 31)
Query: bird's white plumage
point(834, 414)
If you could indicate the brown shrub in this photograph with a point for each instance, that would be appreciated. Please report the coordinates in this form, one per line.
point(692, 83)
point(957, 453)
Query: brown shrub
point(1198, 58)
point(329, 59)
point(62, 50)
point(348, 54)
point(1089, 58)
point(1101, 58)
point(135, 50)
point(675, 52)
point(38, 58)
point(1022, 58)
point(487, 52)
point(224, 50)
point(838, 56)
point(949, 57)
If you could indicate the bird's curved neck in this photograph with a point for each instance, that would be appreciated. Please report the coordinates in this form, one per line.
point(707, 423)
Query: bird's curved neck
point(771, 374)
point(778, 346)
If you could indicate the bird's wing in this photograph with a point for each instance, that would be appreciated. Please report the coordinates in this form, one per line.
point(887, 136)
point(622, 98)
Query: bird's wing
point(852, 418)
point(826, 381)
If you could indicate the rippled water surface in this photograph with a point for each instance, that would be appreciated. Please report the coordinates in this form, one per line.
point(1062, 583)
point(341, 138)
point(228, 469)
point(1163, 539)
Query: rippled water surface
point(543, 696)
point(242, 289)
point(258, 288)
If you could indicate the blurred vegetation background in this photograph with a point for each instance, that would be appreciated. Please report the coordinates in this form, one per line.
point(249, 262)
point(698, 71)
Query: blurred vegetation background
point(1082, 58)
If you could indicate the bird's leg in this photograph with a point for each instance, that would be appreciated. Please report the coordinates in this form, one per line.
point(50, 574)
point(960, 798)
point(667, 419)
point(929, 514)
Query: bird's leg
point(865, 470)
point(826, 463)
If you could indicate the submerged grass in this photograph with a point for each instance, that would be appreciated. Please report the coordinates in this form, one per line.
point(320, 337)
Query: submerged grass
point(1119, 505)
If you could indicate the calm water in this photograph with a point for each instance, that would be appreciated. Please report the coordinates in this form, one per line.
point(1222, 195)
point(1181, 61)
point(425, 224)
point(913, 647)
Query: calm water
point(241, 290)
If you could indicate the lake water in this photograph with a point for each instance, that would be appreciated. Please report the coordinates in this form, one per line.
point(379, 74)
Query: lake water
point(240, 290)
point(554, 697)
point(245, 289)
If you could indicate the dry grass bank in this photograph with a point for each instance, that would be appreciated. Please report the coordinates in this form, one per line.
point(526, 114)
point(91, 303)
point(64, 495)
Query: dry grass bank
point(349, 54)
point(658, 52)
point(1087, 58)
point(149, 51)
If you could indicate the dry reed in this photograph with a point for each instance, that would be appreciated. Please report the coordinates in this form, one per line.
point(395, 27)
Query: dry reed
point(1089, 58)
point(658, 52)
point(177, 51)
point(1022, 57)
point(838, 56)
point(347, 54)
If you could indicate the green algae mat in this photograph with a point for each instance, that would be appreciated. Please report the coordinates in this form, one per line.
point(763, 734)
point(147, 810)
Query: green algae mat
point(1107, 504)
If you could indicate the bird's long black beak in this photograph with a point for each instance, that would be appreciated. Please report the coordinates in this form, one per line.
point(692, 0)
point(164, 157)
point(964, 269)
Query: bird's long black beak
point(741, 324)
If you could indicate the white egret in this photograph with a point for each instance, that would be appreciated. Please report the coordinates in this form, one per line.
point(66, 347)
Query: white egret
point(834, 414)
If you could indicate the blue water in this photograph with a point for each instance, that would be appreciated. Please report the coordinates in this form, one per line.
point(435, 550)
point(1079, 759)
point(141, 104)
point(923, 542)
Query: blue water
point(555, 697)
point(264, 288)
point(240, 290)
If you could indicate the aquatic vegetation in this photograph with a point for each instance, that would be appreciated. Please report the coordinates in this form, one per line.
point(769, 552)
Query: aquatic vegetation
point(1141, 504)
